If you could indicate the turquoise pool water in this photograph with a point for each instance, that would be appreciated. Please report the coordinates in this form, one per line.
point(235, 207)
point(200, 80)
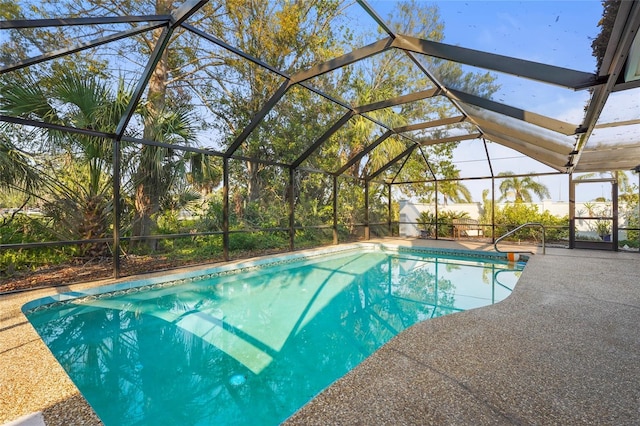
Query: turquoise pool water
point(252, 347)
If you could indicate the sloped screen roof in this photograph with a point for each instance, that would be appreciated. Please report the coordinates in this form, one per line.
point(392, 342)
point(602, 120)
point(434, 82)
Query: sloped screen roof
point(564, 117)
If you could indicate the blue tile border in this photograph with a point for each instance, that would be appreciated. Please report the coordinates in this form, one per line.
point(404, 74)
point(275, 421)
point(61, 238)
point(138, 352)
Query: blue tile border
point(135, 286)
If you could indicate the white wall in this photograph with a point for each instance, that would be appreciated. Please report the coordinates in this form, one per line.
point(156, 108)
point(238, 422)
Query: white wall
point(409, 212)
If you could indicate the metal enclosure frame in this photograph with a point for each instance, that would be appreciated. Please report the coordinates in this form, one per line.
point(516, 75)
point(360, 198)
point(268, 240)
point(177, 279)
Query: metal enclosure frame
point(477, 111)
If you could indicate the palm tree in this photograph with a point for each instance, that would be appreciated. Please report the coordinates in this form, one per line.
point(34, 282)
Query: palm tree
point(521, 188)
point(205, 175)
point(454, 191)
point(621, 177)
point(17, 173)
point(157, 169)
point(80, 166)
point(16, 168)
point(76, 174)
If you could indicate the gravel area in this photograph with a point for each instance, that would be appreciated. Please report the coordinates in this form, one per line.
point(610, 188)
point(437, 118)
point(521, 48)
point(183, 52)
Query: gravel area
point(32, 380)
point(564, 348)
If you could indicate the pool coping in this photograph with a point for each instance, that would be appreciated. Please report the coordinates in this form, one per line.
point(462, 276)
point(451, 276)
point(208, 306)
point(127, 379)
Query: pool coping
point(238, 267)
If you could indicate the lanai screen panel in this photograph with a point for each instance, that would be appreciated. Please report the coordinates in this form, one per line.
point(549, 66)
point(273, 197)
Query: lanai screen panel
point(314, 198)
point(382, 76)
point(470, 159)
point(291, 41)
point(415, 166)
point(558, 28)
point(291, 127)
point(615, 141)
point(378, 209)
point(380, 156)
point(344, 145)
point(508, 161)
point(57, 38)
point(57, 92)
point(253, 204)
point(612, 148)
point(423, 111)
point(222, 90)
point(429, 133)
point(549, 147)
point(350, 220)
point(547, 99)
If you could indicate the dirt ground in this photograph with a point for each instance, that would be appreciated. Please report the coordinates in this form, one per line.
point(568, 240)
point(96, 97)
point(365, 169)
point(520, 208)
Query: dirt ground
point(81, 271)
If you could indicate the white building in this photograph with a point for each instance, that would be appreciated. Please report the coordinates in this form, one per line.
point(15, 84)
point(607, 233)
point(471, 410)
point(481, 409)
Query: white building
point(410, 213)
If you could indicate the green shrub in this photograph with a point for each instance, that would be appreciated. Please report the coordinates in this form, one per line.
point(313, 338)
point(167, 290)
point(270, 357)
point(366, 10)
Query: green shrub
point(427, 221)
point(25, 229)
point(516, 214)
point(251, 241)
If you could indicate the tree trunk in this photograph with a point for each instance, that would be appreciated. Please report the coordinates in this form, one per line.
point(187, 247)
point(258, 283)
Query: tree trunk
point(253, 182)
point(93, 226)
point(147, 197)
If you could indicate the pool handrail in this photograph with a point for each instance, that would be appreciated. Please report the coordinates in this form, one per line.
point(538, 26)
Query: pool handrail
point(495, 244)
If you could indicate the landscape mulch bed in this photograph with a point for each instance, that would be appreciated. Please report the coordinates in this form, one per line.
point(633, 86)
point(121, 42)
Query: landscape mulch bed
point(95, 269)
point(78, 272)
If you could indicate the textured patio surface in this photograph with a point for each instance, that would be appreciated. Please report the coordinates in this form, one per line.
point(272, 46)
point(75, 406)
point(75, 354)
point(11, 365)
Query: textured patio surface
point(564, 348)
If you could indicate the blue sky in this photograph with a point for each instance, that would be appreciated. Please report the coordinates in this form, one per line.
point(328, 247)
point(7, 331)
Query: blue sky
point(556, 32)
point(553, 32)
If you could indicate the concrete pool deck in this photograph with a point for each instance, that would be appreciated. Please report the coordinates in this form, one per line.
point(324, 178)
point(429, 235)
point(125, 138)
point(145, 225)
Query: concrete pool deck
point(564, 348)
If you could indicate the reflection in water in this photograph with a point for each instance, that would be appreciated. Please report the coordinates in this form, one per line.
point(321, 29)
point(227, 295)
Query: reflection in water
point(255, 347)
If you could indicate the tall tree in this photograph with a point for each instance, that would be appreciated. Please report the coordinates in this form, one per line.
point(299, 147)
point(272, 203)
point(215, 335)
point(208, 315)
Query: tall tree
point(155, 165)
point(521, 189)
point(393, 74)
point(290, 36)
point(287, 35)
point(157, 168)
point(454, 190)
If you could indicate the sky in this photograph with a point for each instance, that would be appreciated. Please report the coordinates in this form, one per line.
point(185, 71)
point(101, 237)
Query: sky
point(553, 32)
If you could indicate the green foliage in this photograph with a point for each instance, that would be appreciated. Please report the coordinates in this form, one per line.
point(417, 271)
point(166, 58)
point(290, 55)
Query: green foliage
point(12, 261)
point(630, 242)
point(309, 237)
point(630, 215)
point(72, 176)
point(16, 171)
point(351, 204)
point(519, 189)
point(513, 215)
point(427, 221)
point(25, 229)
point(378, 203)
point(258, 241)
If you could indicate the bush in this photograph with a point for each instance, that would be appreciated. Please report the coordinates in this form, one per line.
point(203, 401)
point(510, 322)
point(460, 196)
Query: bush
point(25, 229)
point(427, 221)
point(629, 243)
point(516, 214)
point(250, 241)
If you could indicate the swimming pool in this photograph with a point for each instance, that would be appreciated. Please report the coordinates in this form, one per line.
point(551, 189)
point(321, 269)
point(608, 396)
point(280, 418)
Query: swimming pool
point(251, 345)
